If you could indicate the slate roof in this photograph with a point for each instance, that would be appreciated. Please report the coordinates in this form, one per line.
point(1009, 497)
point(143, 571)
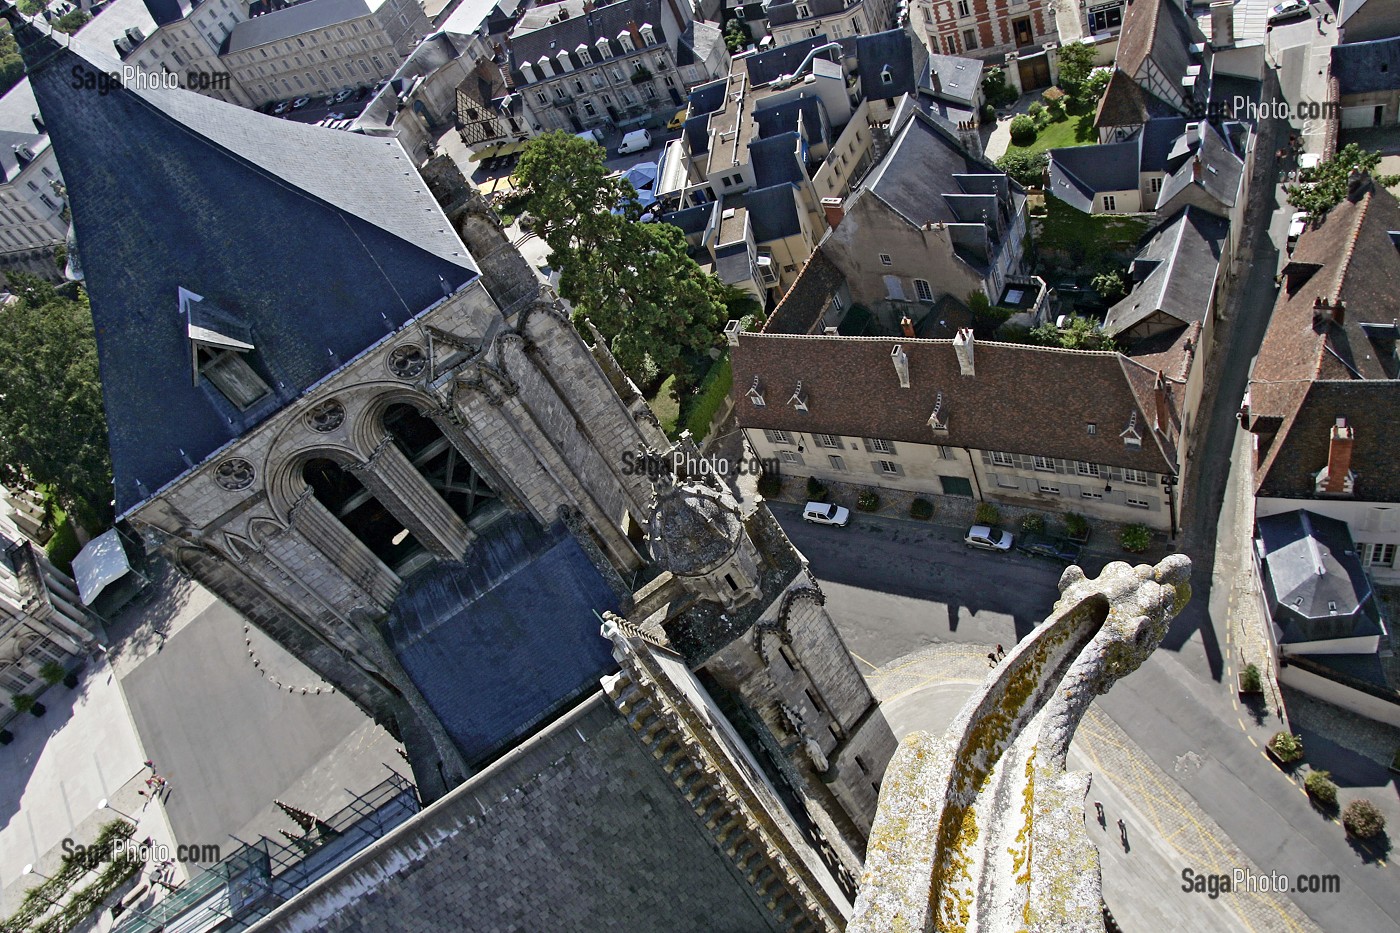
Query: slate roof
point(690, 220)
point(958, 78)
point(1364, 67)
point(780, 14)
point(919, 171)
point(1175, 271)
point(168, 11)
point(1080, 173)
point(112, 21)
point(773, 212)
point(852, 389)
point(17, 128)
point(296, 20)
point(1124, 103)
point(176, 190)
point(774, 160)
point(889, 53)
point(1219, 175)
point(764, 67)
point(535, 35)
point(783, 118)
point(1313, 578)
point(1311, 370)
point(1157, 137)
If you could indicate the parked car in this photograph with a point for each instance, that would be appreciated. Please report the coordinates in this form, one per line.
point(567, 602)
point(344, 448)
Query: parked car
point(1052, 548)
point(677, 121)
point(1296, 226)
point(300, 102)
point(826, 513)
point(343, 95)
point(988, 538)
point(281, 107)
point(635, 141)
point(1288, 9)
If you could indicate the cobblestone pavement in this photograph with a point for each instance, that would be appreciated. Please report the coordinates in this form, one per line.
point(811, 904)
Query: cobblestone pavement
point(1166, 830)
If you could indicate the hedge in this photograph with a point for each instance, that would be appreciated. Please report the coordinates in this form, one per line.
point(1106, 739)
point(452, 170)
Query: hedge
point(700, 410)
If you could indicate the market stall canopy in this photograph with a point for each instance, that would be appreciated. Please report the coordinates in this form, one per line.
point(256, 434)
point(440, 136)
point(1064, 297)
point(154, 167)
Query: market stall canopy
point(100, 563)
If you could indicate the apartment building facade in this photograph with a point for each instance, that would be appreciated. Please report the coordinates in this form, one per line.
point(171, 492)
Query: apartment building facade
point(319, 46)
point(790, 22)
point(983, 29)
point(31, 207)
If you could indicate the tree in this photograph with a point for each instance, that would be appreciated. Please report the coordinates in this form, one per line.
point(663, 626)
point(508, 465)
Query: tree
point(1076, 63)
point(1324, 187)
point(1111, 285)
point(1023, 130)
point(634, 281)
point(1028, 168)
point(1079, 334)
point(995, 88)
point(52, 428)
point(1363, 819)
point(737, 35)
point(72, 21)
point(11, 64)
point(1096, 85)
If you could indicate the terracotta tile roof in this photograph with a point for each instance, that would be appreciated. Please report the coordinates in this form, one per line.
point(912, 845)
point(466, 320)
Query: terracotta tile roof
point(1309, 367)
point(1021, 399)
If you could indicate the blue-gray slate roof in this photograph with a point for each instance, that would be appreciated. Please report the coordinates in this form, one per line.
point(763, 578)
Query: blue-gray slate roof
point(1365, 67)
point(1175, 271)
point(783, 118)
point(1079, 173)
point(319, 241)
point(294, 20)
point(774, 160)
point(17, 128)
point(886, 64)
point(764, 67)
point(921, 169)
point(1314, 582)
point(1158, 134)
point(506, 638)
point(690, 220)
point(773, 212)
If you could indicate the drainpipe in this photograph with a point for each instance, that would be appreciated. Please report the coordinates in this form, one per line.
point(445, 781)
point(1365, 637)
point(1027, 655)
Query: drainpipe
point(1171, 506)
point(975, 481)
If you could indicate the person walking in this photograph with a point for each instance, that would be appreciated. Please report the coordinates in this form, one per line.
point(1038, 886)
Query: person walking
point(1098, 807)
point(1123, 833)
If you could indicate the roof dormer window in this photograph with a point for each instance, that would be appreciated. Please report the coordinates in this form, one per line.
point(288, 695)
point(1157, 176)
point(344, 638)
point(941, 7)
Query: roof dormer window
point(625, 39)
point(755, 394)
point(583, 54)
point(564, 63)
point(1130, 435)
point(218, 344)
point(939, 419)
point(602, 46)
point(799, 398)
point(648, 34)
point(546, 69)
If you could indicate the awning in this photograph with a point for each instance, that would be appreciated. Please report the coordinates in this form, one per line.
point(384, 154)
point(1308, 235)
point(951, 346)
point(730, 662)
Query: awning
point(490, 152)
point(672, 170)
point(101, 562)
point(501, 185)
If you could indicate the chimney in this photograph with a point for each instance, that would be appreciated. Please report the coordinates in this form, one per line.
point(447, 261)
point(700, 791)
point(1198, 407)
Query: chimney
point(906, 324)
point(937, 82)
point(900, 359)
point(1196, 169)
point(962, 346)
point(1193, 133)
point(1222, 24)
point(834, 211)
point(1338, 457)
point(1325, 310)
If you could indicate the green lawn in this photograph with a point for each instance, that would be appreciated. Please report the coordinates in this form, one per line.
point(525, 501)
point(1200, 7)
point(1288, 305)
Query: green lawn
point(1070, 131)
point(665, 406)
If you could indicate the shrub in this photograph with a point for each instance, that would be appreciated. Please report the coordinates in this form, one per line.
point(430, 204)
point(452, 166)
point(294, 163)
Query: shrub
point(1035, 110)
point(1362, 819)
point(989, 113)
point(921, 509)
point(1055, 109)
point(1023, 130)
point(1076, 525)
point(868, 500)
point(1033, 524)
point(987, 514)
point(1250, 681)
point(1135, 538)
point(1319, 784)
point(1028, 168)
point(700, 409)
point(22, 702)
point(52, 672)
point(816, 491)
point(995, 89)
point(770, 485)
point(1287, 746)
point(70, 680)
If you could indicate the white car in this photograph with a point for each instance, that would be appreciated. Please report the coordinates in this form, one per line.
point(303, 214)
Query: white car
point(635, 141)
point(1288, 9)
point(826, 513)
point(1296, 226)
point(988, 538)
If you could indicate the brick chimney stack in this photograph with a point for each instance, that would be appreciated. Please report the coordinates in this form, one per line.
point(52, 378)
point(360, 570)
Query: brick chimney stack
point(1339, 457)
point(963, 347)
point(834, 211)
point(906, 324)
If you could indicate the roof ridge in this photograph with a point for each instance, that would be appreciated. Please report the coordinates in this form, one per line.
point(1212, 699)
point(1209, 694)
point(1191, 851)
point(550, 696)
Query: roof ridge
point(1345, 264)
point(981, 341)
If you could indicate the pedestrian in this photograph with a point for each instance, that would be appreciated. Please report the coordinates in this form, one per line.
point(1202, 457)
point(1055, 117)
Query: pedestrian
point(1099, 808)
point(1001, 652)
point(991, 659)
point(1123, 832)
point(150, 764)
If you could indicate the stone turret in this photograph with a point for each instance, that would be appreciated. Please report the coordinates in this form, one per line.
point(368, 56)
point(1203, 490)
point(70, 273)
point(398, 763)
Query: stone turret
point(698, 534)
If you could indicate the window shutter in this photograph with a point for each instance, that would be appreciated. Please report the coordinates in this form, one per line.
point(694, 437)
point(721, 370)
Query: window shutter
point(898, 470)
point(875, 467)
point(893, 449)
point(991, 479)
point(986, 457)
point(869, 447)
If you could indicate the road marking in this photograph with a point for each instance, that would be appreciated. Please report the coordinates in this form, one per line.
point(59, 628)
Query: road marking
point(1251, 741)
point(863, 661)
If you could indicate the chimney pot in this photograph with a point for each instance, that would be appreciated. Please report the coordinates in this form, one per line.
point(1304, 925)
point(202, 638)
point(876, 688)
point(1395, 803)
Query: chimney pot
point(906, 324)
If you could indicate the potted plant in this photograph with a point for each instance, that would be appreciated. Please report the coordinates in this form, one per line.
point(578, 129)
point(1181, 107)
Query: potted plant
point(816, 491)
point(25, 703)
point(1285, 747)
point(1033, 523)
point(1362, 819)
point(6, 736)
point(1135, 538)
point(1250, 681)
point(52, 672)
point(868, 500)
point(921, 509)
point(987, 514)
point(1320, 788)
point(1076, 527)
point(70, 680)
